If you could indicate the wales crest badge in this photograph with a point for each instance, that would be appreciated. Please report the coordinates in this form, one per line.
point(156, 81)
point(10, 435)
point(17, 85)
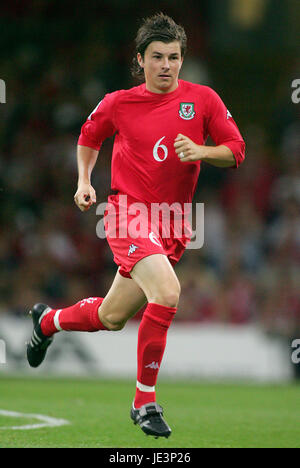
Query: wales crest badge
point(186, 110)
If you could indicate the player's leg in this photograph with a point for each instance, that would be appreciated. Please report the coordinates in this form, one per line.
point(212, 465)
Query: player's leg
point(156, 277)
point(123, 300)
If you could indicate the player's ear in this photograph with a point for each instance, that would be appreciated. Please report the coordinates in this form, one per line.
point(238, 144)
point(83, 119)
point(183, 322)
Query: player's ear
point(140, 60)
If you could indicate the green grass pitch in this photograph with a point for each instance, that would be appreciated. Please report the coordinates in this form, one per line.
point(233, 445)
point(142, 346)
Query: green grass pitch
point(200, 414)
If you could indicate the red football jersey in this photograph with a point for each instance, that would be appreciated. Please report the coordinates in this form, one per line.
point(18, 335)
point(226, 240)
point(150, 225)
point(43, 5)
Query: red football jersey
point(145, 124)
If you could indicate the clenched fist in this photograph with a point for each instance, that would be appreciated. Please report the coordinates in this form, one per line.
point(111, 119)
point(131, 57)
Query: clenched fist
point(85, 196)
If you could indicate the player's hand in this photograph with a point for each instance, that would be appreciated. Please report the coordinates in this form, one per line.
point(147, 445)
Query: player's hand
point(85, 196)
point(187, 150)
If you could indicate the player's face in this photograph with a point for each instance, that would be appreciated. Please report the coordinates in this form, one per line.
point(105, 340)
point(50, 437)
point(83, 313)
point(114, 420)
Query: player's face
point(161, 63)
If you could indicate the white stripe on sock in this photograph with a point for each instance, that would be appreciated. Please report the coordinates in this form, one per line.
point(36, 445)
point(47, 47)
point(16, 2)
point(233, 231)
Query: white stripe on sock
point(144, 388)
point(56, 320)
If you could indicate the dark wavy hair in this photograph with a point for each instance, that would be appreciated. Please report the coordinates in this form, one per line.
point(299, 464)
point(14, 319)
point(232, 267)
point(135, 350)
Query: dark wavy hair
point(158, 27)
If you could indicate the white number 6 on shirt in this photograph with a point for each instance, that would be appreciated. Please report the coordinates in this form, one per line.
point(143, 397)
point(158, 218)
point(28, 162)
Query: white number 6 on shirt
point(163, 147)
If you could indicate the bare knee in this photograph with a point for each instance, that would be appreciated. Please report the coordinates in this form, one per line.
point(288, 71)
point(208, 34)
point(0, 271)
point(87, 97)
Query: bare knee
point(111, 321)
point(167, 296)
point(168, 299)
point(115, 326)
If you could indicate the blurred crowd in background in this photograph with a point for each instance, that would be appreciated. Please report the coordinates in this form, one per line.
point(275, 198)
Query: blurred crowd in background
point(58, 63)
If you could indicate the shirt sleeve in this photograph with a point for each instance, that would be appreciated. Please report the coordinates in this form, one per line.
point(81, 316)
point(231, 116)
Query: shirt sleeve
point(100, 124)
point(222, 128)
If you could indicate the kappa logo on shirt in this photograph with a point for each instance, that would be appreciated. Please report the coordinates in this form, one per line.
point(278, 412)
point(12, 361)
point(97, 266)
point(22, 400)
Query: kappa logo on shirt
point(132, 249)
point(228, 114)
point(186, 110)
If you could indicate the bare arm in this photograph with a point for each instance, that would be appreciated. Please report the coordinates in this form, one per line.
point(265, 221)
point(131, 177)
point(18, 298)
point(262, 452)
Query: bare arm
point(86, 160)
point(219, 156)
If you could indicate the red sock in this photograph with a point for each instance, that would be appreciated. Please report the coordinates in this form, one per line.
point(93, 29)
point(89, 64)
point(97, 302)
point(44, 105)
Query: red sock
point(152, 338)
point(82, 316)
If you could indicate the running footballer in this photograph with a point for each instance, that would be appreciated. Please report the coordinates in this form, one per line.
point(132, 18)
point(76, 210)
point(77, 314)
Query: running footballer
point(160, 129)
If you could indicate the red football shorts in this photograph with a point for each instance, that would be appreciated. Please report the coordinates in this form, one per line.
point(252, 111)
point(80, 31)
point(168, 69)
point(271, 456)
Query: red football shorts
point(134, 233)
